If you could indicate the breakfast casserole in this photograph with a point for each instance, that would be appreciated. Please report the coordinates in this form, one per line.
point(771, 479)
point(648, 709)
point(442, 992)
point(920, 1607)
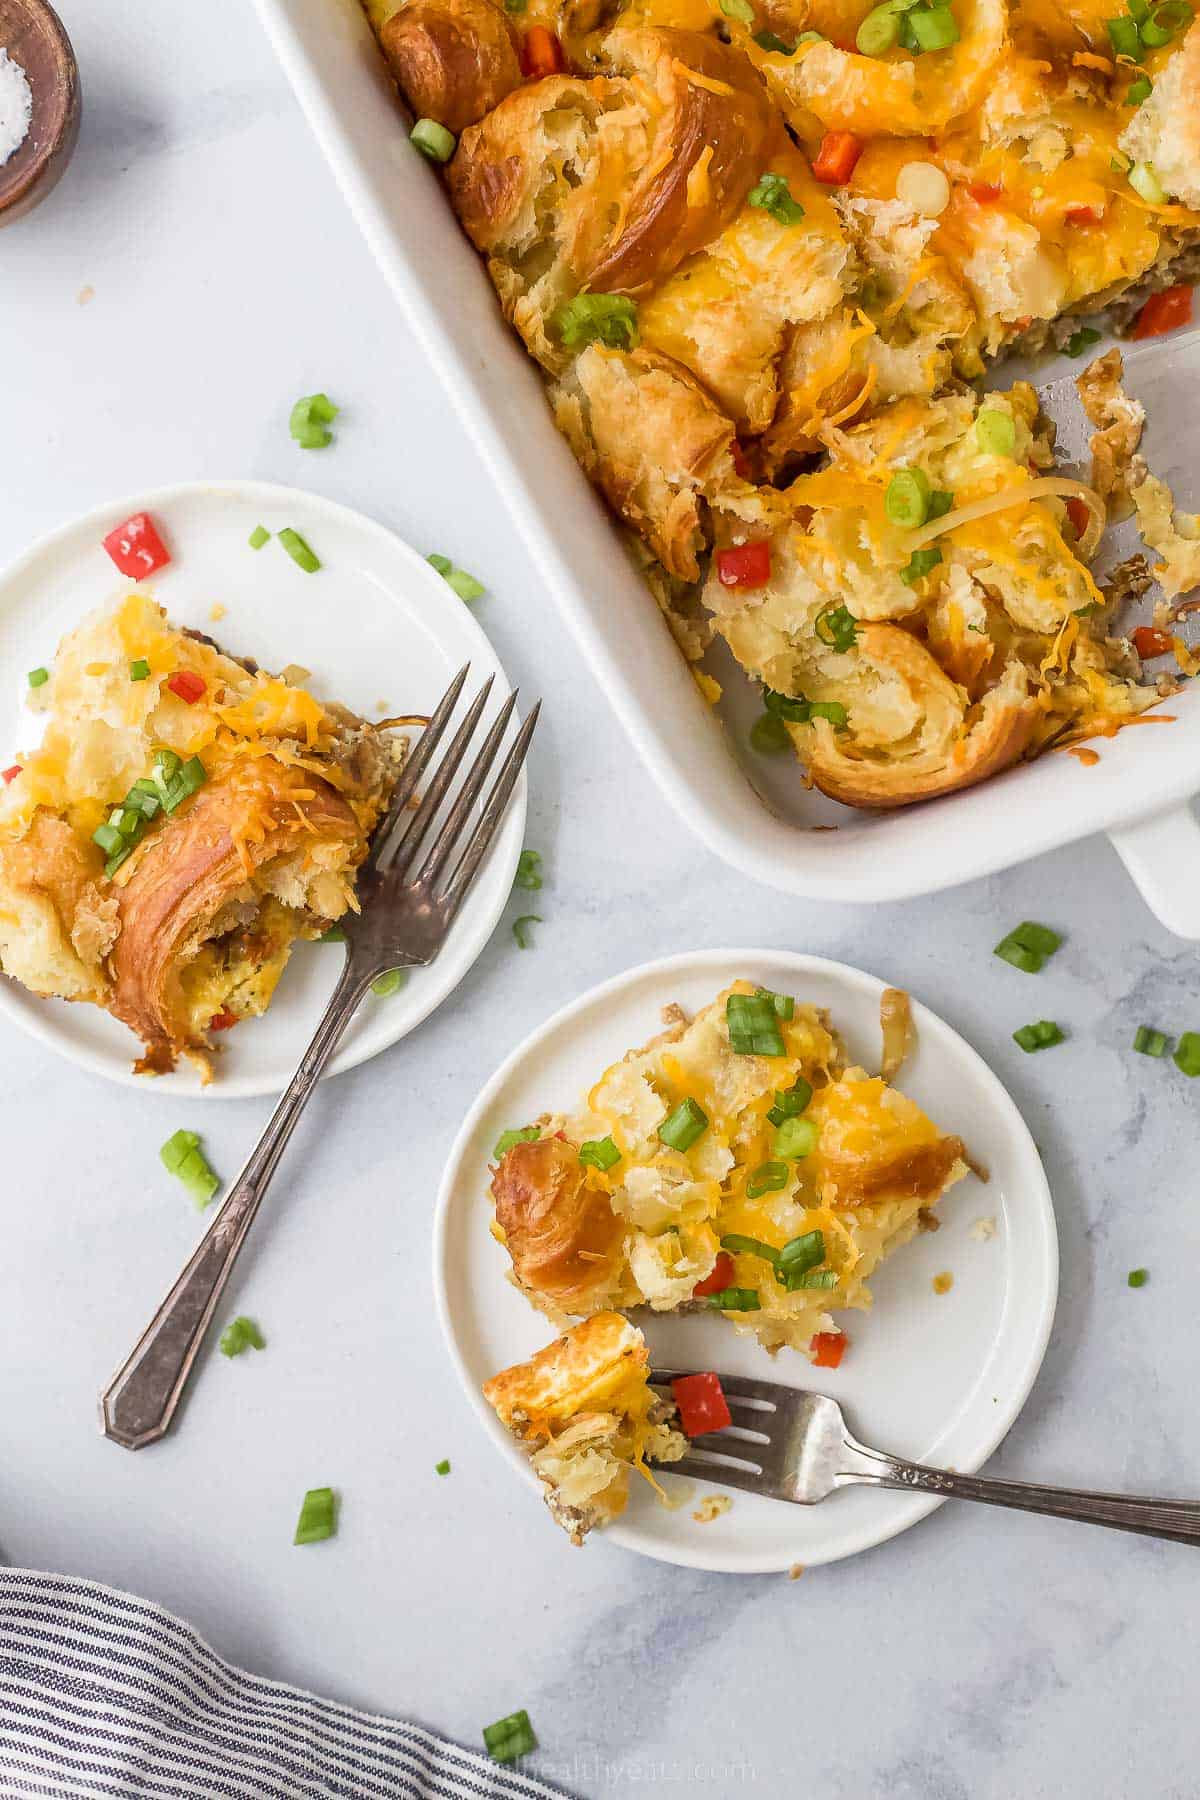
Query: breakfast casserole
point(584, 1411)
point(761, 249)
point(737, 1162)
point(183, 820)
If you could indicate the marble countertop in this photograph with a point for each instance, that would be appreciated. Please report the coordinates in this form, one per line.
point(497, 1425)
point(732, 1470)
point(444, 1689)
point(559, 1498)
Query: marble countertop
point(195, 271)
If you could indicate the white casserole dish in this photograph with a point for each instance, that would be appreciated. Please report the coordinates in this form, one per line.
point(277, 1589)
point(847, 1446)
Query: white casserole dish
point(753, 814)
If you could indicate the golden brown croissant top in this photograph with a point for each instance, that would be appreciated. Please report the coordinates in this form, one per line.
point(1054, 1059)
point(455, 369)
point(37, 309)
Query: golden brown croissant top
point(559, 1229)
point(454, 59)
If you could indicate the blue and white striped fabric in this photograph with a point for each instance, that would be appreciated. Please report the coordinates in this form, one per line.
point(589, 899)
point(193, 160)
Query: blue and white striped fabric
point(102, 1694)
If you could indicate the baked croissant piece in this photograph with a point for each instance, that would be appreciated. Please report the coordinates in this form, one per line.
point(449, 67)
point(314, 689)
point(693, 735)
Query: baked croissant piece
point(184, 820)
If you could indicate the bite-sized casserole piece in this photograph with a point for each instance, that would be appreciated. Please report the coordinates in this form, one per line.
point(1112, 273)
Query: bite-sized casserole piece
point(583, 1410)
point(183, 820)
point(736, 1162)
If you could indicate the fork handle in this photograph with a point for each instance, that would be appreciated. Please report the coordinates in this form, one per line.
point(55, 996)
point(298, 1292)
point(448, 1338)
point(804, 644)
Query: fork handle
point(1177, 1519)
point(139, 1403)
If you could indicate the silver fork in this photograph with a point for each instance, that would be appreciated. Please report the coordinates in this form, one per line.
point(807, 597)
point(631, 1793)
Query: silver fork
point(787, 1444)
point(407, 912)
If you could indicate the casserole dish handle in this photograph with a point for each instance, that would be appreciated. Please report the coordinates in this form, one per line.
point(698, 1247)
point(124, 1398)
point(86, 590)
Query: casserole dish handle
point(1162, 854)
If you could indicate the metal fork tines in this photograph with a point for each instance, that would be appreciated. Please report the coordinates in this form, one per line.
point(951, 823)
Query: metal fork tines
point(409, 901)
point(787, 1444)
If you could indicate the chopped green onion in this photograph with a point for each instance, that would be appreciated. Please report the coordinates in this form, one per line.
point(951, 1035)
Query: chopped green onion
point(1164, 21)
point(1027, 946)
point(1040, 1036)
point(774, 46)
point(769, 735)
point(524, 1134)
point(609, 319)
point(180, 786)
point(1019, 957)
point(38, 677)
point(811, 1278)
point(794, 710)
point(1125, 38)
point(919, 564)
point(837, 627)
point(931, 28)
point(599, 1153)
point(738, 9)
point(143, 797)
point(941, 501)
point(433, 140)
point(1144, 181)
point(166, 766)
point(681, 1127)
point(299, 551)
point(1148, 1042)
point(1082, 340)
point(1137, 1277)
point(752, 1246)
point(389, 983)
point(139, 669)
point(467, 587)
point(520, 930)
point(529, 870)
point(182, 1156)
point(509, 1738)
point(734, 1299)
point(443, 1467)
point(768, 1178)
point(796, 1138)
point(242, 1334)
point(108, 838)
point(309, 418)
point(176, 1148)
point(1138, 9)
point(811, 37)
point(995, 431)
point(442, 564)
point(790, 1102)
point(879, 31)
point(316, 1520)
point(803, 1252)
point(833, 710)
point(784, 1004)
point(753, 1025)
point(772, 194)
point(258, 537)
point(1138, 90)
point(1187, 1053)
point(116, 859)
point(906, 501)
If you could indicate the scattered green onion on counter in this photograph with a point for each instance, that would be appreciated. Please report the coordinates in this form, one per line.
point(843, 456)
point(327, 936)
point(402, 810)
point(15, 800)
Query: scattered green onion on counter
point(682, 1126)
point(1041, 1036)
point(529, 870)
point(182, 1156)
point(310, 419)
point(1137, 1278)
point(1027, 946)
point(38, 677)
point(520, 930)
point(433, 140)
point(509, 1738)
point(241, 1334)
point(1187, 1053)
point(317, 1519)
point(1149, 1042)
point(464, 585)
point(300, 552)
point(443, 1467)
point(258, 537)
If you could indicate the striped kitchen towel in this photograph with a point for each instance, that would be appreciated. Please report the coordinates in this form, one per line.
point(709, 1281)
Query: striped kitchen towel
point(102, 1694)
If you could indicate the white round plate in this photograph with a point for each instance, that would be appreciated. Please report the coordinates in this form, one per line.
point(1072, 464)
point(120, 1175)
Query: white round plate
point(381, 632)
point(936, 1377)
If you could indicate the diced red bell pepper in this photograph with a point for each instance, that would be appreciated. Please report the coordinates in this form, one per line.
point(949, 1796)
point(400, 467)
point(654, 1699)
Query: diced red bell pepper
point(985, 192)
point(136, 547)
point(189, 687)
point(1079, 515)
point(702, 1404)
point(1149, 641)
point(835, 160)
point(745, 565)
point(828, 1348)
point(719, 1280)
point(1084, 215)
point(1164, 312)
point(222, 1021)
point(541, 54)
point(11, 774)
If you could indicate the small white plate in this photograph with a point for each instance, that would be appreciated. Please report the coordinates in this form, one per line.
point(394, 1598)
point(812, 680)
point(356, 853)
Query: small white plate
point(375, 625)
point(936, 1377)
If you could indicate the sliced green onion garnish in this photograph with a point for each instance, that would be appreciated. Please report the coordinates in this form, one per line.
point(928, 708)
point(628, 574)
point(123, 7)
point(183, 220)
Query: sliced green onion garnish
point(464, 585)
point(139, 669)
point(786, 706)
point(774, 46)
point(790, 1102)
point(242, 1334)
point(906, 501)
point(1144, 181)
point(784, 1004)
point(1040, 1036)
point(738, 1245)
point(1138, 1277)
point(520, 930)
point(529, 870)
point(1082, 340)
point(523, 1134)
point(316, 1517)
point(1187, 1053)
point(391, 983)
point(1125, 38)
point(108, 838)
point(166, 765)
point(995, 432)
point(433, 140)
point(934, 28)
point(599, 1153)
point(509, 1738)
point(810, 1278)
point(769, 735)
point(681, 1128)
point(309, 418)
point(299, 551)
point(1164, 21)
point(833, 710)
point(738, 9)
point(919, 564)
point(182, 1156)
point(443, 1467)
point(1027, 946)
point(803, 1252)
point(796, 1138)
point(879, 31)
point(734, 1299)
point(38, 677)
point(772, 194)
point(768, 1178)
point(441, 563)
point(837, 627)
point(1139, 89)
point(184, 783)
point(941, 501)
point(753, 1025)
point(1148, 1042)
point(258, 537)
point(609, 319)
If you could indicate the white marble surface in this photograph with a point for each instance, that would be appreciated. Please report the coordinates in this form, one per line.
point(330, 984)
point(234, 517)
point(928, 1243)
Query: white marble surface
point(980, 1654)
